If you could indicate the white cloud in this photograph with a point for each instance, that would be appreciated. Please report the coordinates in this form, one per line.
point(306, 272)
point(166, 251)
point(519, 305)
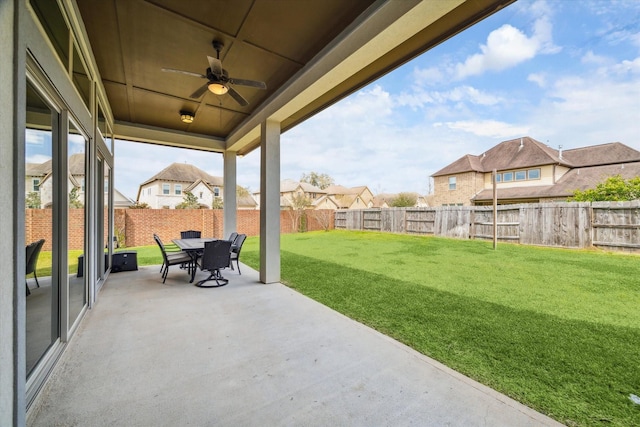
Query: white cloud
point(537, 78)
point(592, 58)
point(627, 67)
point(459, 94)
point(488, 128)
point(592, 109)
point(508, 46)
point(38, 158)
point(427, 76)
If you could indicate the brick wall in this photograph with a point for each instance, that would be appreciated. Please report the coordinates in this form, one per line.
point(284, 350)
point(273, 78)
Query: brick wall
point(139, 225)
point(38, 225)
point(467, 185)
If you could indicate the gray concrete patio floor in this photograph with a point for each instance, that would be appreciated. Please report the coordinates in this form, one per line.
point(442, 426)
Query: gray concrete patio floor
point(249, 354)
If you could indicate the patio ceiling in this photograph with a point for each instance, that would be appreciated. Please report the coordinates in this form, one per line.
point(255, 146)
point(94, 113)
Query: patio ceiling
point(309, 53)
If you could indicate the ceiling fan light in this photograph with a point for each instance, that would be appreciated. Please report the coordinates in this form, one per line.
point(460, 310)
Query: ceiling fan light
point(218, 88)
point(187, 117)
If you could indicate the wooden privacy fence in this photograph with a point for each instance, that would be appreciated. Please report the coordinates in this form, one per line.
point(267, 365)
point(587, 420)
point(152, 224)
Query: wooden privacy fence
point(614, 225)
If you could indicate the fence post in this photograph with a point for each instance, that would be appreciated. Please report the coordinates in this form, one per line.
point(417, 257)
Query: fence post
point(495, 209)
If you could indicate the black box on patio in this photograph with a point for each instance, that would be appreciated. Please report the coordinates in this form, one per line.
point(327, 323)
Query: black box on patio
point(124, 261)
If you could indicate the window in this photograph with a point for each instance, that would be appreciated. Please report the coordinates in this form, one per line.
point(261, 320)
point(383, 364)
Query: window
point(165, 188)
point(148, 191)
point(533, 173)
point(452, 183)
point(498, 177)
point(521, 175)
point(216, 192)
point(507, 176)
point(177, 188)
point(36, 184)
point(201, 194)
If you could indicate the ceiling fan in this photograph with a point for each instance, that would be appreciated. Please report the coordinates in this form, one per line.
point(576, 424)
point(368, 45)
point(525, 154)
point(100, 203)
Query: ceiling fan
point(218, 80)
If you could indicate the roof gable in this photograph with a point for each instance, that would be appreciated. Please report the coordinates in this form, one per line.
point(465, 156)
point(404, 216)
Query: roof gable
point(183, 172)
point(603, 154)
point(466, 163)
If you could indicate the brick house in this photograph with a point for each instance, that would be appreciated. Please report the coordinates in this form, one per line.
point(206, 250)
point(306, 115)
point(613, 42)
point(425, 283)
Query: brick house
point(530, 172)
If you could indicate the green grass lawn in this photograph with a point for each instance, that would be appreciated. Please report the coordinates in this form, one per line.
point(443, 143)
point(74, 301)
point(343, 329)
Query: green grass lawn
point(556, 329)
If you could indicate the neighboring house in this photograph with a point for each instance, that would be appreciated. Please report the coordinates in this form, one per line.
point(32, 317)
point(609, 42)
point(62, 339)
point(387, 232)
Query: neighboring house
point(39, 179)
point(120, 200)
point(166, 189)
point(351, 198)
point(529, 171)
point(246, 203)
point(325, 202)
point(291, 190)
point(385, 200)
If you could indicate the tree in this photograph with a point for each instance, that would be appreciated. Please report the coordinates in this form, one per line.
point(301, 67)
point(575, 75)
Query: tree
point(242, 192)
point(613, 189)
point(323, 217)
point(298, 220)
point(74, 198)
point(403, 200)
point(217, 203)
point(320, 180)
point(189, 201)
point(33, 200)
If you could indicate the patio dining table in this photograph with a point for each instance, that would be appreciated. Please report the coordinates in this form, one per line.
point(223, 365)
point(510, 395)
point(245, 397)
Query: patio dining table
point(193, 247)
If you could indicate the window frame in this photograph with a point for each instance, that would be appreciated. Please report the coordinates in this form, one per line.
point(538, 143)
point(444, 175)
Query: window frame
point(504, 177)
point(537, 170)
point(166, 189)
point(453, 183)
point(177, 189)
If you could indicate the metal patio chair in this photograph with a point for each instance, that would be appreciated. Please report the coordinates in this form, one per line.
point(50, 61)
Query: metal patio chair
point(215, 257)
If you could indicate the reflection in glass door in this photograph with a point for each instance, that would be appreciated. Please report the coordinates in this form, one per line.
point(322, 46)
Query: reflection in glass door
point(76, 190)
point(42, 286)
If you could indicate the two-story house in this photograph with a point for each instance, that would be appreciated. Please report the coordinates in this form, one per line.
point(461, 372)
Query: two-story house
point(39, 183)
point(528, 171)
point(166, 189)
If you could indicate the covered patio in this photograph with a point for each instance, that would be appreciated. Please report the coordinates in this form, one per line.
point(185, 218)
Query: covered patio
point(244, 354)
point(85, 73)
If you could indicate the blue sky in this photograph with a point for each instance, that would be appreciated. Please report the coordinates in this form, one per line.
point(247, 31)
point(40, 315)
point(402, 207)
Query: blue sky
point(564, 72)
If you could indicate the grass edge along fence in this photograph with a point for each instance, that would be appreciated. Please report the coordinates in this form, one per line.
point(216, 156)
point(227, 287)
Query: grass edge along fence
point(609, 225)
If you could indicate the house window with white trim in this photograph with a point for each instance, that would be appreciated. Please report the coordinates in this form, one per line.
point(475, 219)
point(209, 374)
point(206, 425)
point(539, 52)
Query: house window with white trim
point(177, 188)
point(533, 173)
point(36, 184)
point(452, 183)
point(166, 188)
point(216, 192)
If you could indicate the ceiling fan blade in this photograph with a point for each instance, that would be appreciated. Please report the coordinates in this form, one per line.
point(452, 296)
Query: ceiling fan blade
point(198, 93)
point(188, 73)
point(239, 99)
point(251, 83)
point(216, 66)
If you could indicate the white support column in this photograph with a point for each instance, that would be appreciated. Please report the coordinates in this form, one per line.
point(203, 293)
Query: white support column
point(230, 207)
point(270, 202)
point(12, 187)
